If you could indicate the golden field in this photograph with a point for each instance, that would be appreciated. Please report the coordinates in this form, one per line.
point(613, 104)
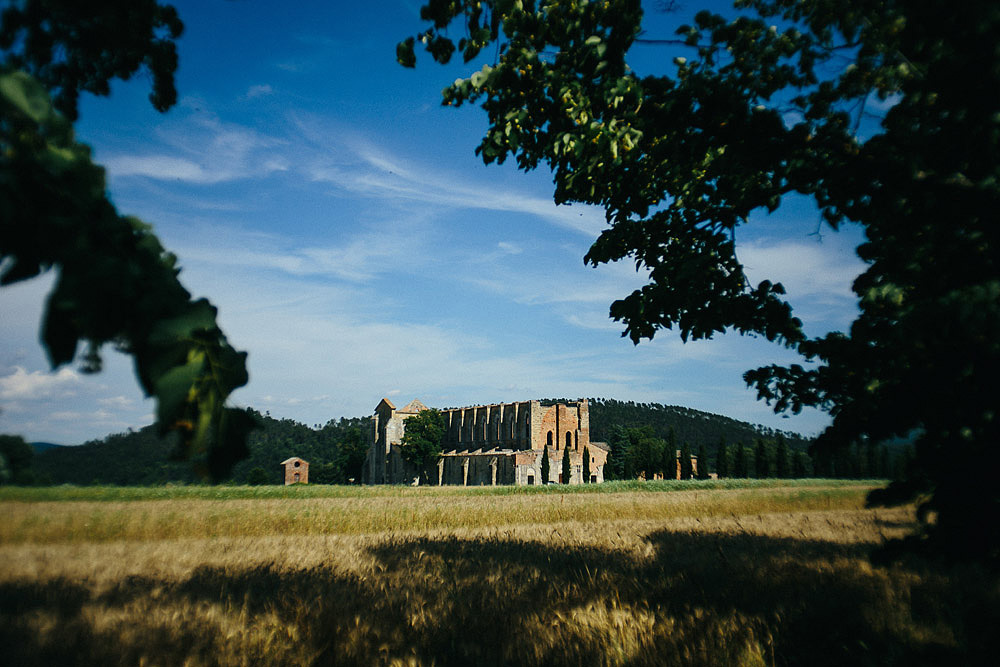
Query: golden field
point(685, 573)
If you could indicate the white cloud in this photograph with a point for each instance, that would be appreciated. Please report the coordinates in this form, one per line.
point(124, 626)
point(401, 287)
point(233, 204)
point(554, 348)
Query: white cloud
point(817, 276)
point(805, 268)
point(202, 149)
point(357, 258)
point(116, 402)
point(356, 164)
point(66, 415)
point(260, 90)
point(22, 385)
point(162, 167)
point(510, 248)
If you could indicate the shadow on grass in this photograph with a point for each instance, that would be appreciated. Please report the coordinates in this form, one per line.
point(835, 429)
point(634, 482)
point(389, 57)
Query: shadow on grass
point(691, 598)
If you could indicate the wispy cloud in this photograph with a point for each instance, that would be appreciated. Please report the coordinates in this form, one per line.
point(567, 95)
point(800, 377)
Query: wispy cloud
point(357, 164)
point(357, 256)
point(810, 268)
point(204, 150)
point(24, 385)
point(260, 90)
point(391, 177)
point(116, 402)
point(817, 276)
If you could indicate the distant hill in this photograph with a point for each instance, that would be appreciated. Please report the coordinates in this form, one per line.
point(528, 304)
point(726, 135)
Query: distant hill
point(40, 447)
point(335, 451)
point(143, 457)
point(692, 426)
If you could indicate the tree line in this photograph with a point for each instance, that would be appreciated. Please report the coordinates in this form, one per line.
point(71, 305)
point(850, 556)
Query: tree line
point(336, 452)
point(637, 452)
point(688, 424)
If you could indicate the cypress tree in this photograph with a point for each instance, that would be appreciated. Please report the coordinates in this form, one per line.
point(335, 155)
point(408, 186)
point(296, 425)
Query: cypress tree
point(618, 442)
point(685, 461)
point(722, 460)
point(741, 467)
point(762, 469)
point(802, 465)
point(669, 459)
point(781, 463)
point(702, 462)
point(586, 464)
point(567, 470)
point(545, 465)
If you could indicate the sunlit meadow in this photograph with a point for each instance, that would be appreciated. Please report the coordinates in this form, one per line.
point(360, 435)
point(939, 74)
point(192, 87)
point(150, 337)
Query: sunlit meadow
point(621, 574)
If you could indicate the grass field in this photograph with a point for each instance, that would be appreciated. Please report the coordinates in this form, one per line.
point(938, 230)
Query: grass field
point(623, 574)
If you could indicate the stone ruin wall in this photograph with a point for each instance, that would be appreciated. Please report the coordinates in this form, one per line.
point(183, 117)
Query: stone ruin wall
point(497, 426)
point(517, 426)
point(500, 443)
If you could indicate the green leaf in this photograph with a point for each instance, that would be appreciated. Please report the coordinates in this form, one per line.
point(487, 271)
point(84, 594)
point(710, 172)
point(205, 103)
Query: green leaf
point(26, 94)
point(173, 390)
point(198, 316)
point(404, 53)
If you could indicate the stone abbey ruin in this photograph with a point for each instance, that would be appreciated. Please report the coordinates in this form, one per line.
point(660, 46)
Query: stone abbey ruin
point(489, 444)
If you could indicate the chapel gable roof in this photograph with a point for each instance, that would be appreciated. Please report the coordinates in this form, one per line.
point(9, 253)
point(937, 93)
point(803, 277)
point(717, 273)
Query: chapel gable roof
point(386, 402)
point(413, 407)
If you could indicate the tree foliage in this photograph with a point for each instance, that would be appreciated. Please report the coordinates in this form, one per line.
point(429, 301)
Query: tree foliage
point(71, 47)
point(567, 468)
point(702, 462)
point(695, 426)
point(761, 460)
point(668, 457)
point(15, 460)
point(741, 461)
point(769, 101)
point(546, 466)
point(722, 467)
point(687, 471)
point(423, 440)
point(115, 283)
point(782, 466)
point(643, 453)
point(143, 456)
point(586, 465)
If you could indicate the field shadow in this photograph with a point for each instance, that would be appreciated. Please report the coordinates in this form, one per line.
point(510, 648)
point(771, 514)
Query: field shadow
point(683, 597)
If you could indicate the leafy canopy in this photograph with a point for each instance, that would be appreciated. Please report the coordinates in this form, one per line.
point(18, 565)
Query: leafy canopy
point(423, 439)
point(115, 284)
point(71, 47)
point(773, 100)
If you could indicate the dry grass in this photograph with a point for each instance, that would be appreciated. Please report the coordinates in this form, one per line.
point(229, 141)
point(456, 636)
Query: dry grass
point(765, 576)
point(405, 510)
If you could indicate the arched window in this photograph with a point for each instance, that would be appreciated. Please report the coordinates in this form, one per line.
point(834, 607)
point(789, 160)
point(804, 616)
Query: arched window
point(569, 439)
point(548, 440)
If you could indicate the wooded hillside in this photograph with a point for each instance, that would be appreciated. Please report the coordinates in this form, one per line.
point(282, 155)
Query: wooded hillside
point(692, 426)
point(336, 450)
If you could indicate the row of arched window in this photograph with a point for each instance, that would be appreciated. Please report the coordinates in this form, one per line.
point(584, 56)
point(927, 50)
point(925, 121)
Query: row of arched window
point(569, 441)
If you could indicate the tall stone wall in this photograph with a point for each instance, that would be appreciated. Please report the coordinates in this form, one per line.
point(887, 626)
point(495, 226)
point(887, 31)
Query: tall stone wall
point(481, 442)
point(496, 426)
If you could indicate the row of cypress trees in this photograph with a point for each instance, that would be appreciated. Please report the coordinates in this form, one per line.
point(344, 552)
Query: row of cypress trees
point(567, 468)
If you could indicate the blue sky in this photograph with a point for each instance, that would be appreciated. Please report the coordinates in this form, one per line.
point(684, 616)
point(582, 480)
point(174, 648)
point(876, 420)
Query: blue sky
point(336, 214)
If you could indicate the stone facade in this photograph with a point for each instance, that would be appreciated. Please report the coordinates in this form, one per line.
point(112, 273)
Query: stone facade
point(487, 445)
point(296, 471)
